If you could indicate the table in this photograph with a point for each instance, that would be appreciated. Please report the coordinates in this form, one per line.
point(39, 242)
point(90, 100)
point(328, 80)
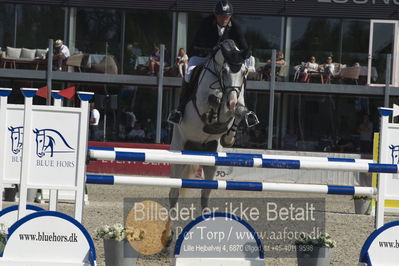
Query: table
point(141, 61)
point(316, 75)
point(94, 59)
point(101, 63)
point(364, 70)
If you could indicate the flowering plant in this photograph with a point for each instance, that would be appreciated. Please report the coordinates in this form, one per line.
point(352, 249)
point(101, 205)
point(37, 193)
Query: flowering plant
point(3, 236)
point(323, 240)
point(117, 232)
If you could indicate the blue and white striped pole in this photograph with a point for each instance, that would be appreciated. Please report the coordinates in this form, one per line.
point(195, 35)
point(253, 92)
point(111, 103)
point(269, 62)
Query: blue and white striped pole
point(227, 154)
point(228, 185)
point(241, 160)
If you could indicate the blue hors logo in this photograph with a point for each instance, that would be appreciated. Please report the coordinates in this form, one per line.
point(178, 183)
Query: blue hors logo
point(17, 134)
point(394, 153)
point(50, 141)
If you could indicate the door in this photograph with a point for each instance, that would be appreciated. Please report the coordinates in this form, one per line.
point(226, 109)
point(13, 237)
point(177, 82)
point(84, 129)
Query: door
point(383, 41)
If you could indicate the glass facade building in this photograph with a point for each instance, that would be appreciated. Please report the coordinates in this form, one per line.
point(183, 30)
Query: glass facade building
point(322, 117)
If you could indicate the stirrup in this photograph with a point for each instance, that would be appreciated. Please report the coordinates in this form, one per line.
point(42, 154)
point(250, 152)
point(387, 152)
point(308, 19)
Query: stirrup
point(251, 119)
point(175, 117)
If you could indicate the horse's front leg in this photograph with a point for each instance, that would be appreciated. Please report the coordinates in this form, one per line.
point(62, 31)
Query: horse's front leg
point(228, 139)
point(209, 174)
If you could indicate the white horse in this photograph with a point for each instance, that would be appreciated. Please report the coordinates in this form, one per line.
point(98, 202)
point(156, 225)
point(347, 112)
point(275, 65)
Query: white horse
point(212, 116)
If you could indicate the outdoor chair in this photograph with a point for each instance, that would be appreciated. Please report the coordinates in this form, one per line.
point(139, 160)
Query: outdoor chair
point(75, 61)
point(298, 70)
point(351, 73)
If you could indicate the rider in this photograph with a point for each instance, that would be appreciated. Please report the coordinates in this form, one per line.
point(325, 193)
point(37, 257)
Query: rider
point(213, 30)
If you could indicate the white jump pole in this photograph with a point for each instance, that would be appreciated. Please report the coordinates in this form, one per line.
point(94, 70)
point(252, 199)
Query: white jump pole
point(177, 157)
point(228, 185)
point(229, 154)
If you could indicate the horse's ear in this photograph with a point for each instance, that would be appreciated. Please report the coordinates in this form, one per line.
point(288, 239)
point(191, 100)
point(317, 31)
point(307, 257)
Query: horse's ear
point(11, 128)
point(35, 131)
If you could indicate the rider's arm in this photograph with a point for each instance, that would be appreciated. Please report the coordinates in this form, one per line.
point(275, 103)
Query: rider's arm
point(203, 41)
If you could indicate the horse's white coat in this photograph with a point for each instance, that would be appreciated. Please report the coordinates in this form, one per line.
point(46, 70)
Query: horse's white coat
point(191, 127)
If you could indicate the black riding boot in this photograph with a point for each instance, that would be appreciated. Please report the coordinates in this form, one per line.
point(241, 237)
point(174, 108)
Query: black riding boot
point(176, 116)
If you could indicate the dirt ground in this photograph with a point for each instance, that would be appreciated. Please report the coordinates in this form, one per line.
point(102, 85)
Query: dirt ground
point(347, 228)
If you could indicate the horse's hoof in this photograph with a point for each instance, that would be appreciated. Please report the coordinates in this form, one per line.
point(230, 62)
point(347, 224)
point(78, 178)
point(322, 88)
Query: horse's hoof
point(225, 144)
point(251, 119)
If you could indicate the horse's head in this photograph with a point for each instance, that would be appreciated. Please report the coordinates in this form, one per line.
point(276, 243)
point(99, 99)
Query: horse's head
point(40, 142)
point(394, 153)
point(233, 71)
point(16, 139)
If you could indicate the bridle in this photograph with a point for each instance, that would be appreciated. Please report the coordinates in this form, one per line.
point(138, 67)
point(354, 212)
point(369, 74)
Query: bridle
point(219, 84)
point(219, 75)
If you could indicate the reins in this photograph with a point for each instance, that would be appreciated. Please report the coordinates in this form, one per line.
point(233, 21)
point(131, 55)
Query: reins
point(220, 81)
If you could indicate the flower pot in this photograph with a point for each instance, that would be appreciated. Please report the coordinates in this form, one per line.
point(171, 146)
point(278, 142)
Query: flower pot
point(362, 206)
point(313, 256)
point(119, 253)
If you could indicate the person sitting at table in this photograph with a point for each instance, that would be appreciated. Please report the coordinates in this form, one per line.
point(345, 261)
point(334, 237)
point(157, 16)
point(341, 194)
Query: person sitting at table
point(280, 61)
point(154, 62)
point(133, 51)
point(250, 65)
point(310, 67)
point(330, 69)
point(61, 54)
point(181, 62)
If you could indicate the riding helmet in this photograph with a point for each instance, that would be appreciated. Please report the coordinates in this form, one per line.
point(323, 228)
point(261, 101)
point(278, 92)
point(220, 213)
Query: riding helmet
point(224, 8)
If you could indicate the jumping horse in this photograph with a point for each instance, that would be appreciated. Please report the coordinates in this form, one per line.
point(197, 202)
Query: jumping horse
point(211, 118)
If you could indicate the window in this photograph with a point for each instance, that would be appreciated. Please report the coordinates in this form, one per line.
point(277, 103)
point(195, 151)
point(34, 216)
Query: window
point(37, 24)
point(6, 18)
point(313, 37)
point(355, 41)
point(98, 31)
point(327, 122)
point(262, 34)
point(145, 31)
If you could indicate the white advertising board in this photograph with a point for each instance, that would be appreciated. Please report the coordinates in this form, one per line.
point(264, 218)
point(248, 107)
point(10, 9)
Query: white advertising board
point(11, 137)
point(388, 184)
point(13, 143)
point(48, 237)
point(381, 247)
point(54, 148)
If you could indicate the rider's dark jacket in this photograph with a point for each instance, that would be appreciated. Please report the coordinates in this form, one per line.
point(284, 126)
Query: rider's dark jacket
point(207, 37)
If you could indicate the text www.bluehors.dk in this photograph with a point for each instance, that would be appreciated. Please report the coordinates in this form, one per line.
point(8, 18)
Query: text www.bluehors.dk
point(389, 244)
point(49, 237)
